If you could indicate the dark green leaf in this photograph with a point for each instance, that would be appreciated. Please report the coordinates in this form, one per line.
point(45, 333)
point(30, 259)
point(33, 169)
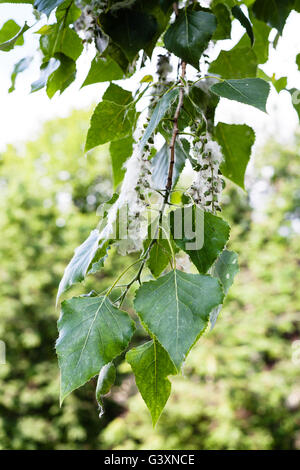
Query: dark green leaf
point(175, 308)
point(236, 142)
point(19, 67)
point(252, 91)
point(151, 366)
point(207, 232)
point(239, 62)
point(120, 151)
point(131, 29)
point(115, 53)
point(189, 35)
point(78, 266)
point(113, 118)
point(103, 70)
point(137, 26)
point(297, 5)
point(222, 15)
point(92, 332)
point(240, 15)
point(273, 12)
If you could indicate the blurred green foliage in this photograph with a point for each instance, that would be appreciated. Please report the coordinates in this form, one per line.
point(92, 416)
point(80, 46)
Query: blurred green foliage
point(240, 388)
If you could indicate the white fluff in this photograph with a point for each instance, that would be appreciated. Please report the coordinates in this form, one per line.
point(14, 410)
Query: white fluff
point(137, 182)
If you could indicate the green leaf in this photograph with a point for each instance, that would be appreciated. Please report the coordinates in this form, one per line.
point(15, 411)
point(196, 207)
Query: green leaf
point(273, 12)
point(137, 26)
point(239, 62)
point(19, 67)
point(47, 68)
point(190, 34)
point(9, 30)
point(100, 256)
point(151, 366)
point(295, 95)
point(161, 253)
point(62, 77)
point(117, 95)
point(279, 83)
point(252, 91)
point(113, 118)
point(103, 70)
point(159, 111)
point(131, 29)
point(46, 6)
point(106, 379)
point(79, 264)
point(228, 3)
point(236, 142)
point(297, 6)
point(222, 15)
point(147, 79)
point(61, 40)
point(261, 43)
point(206, 102)
point(68, 12)
point(120, 151)
point(160, 165)
point(240, 15)
point(115, 53)
point(160, 256)
point(175, 308)
point(225, 269)
point(13, 40)
point(92, 332)
point(206, 231)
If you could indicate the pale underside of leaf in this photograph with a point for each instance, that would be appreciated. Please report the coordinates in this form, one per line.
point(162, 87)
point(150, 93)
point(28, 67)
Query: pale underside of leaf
point(78, 266)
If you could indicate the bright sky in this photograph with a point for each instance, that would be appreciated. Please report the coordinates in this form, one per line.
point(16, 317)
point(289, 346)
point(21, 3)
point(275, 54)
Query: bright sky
point(22, 113)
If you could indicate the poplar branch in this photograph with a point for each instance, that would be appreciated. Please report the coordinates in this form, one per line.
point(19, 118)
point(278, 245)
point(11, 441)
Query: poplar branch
point(175, 133)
